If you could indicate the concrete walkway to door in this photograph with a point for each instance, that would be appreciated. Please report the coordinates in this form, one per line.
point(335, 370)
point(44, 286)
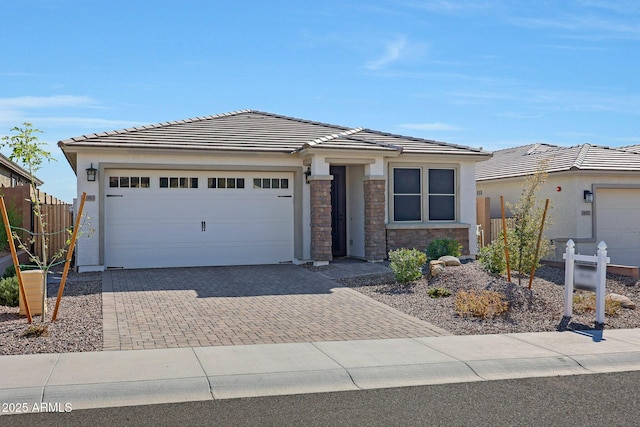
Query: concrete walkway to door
point(213, 306)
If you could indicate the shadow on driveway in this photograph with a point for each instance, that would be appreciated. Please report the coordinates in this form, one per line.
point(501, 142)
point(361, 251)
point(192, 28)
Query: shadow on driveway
point(225, 282)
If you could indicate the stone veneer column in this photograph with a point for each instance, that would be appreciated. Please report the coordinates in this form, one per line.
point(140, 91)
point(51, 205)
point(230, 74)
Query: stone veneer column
point(321, 241)
point(375, 233)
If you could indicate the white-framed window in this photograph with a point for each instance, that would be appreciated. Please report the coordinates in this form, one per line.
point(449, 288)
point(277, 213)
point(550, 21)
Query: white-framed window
point(407, 194)
point(177, 182)
point(237, 183)
point(423, 194)
point(129, 182)
point(442, 194)
point(270, 183)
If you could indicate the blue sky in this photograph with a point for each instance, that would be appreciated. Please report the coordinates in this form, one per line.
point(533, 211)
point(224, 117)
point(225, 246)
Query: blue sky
point(489, 74)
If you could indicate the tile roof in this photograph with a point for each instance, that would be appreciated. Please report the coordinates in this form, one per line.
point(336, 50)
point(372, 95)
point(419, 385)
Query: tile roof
point(256, 131)
point(15, 168)
point(632, 148)
point(524, 160)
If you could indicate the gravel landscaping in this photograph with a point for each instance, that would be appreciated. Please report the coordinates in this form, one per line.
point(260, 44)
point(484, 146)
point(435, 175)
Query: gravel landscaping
point(79, 324)
point(78, 327)
point(535, 310)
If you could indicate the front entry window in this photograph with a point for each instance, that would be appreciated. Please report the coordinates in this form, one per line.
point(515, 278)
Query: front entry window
point(424, 194)
point(407, 194)
point(442, 198)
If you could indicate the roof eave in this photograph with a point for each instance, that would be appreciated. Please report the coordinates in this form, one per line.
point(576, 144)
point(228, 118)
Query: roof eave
point(315, 149)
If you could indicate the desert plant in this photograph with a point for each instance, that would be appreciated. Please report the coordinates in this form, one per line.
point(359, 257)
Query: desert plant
point(34, 331)
point(438, 292)
point(9, 291)
point(27, 150)
point(484, 304)
point(406, 264)
point(528, 216)
point(441, 247)
point(584, 302)
point(492, 257)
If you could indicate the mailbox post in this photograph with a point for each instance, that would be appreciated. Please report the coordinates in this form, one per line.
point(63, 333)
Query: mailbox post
point(585, 279)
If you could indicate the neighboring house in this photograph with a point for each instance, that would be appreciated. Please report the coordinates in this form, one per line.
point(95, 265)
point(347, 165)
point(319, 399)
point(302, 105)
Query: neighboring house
point(250, 187)
point(12, 175)
point(17, 193)
point(594, 192)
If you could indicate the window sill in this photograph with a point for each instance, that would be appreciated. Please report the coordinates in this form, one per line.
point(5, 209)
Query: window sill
point(425, 225)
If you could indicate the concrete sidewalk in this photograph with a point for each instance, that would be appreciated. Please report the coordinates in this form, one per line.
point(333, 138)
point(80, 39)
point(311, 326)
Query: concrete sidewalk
point(140, 377)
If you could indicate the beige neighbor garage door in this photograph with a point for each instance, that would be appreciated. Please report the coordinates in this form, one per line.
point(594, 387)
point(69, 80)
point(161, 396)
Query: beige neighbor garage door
point(618, 223)
point(197, 218)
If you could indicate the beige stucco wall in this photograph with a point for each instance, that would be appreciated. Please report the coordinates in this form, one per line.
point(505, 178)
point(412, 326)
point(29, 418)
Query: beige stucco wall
point(571, 217)
point(355, 211)
point(89, 247)
point(466, 192)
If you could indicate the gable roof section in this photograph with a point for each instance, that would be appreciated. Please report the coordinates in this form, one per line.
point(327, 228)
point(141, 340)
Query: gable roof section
point(632, 148)
point(256, 131)
point(15, 168)
point(524, 160)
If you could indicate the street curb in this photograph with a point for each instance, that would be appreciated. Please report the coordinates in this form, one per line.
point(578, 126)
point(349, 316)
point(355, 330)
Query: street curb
point(143, 377)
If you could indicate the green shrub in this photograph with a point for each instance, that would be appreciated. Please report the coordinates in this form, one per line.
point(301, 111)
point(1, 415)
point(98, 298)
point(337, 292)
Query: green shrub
point(492, 257)
point(438, 292)
point(9, 291)
point(406, 264)
point(442, 247)
point(9, 271)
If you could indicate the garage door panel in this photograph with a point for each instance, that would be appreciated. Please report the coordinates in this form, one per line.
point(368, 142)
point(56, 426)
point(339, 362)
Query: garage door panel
point(618, 223)
point(160, 227)
point(228, 232)
point(272, 231)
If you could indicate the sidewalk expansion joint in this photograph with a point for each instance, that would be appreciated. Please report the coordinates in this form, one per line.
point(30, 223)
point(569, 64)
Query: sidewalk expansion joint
point(339, 364)
point(46, 381)
point(204, 372)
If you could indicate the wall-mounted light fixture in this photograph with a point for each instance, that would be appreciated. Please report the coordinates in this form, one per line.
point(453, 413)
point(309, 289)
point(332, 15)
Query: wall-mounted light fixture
point(588, 196)
point(307, 174)
point(91, 173)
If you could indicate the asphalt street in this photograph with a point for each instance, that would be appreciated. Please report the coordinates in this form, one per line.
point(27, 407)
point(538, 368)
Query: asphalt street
point(582, 400)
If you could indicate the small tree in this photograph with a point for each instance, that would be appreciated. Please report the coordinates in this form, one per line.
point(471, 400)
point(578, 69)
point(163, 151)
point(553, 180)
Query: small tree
point(28, 151)
point(528, 217)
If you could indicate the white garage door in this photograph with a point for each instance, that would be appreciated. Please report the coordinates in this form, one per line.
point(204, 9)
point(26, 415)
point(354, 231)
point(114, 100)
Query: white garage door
point(618, 223)
point(195, 218)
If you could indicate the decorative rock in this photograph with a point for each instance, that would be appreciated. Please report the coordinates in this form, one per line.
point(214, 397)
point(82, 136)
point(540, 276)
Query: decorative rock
point(436, 267)
point(450, 261)
point(624, 301)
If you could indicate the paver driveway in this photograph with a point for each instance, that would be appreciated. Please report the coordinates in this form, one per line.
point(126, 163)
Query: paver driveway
point(208, 306)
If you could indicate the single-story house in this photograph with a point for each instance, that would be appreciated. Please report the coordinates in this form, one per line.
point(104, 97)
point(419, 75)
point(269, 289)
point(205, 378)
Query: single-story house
point(250, 187)
point(12, 175)
point(594, 192)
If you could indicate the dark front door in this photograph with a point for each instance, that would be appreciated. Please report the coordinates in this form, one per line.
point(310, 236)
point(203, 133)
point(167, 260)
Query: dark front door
point(339, 211)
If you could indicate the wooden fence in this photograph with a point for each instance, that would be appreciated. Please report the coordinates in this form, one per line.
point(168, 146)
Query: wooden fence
point(496, 226)
point(56, 214)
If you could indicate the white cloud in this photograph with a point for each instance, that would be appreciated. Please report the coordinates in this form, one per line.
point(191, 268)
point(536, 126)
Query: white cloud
point(86, 122)
point(429, 126)
point(515, 115)
point(395, 51)
point(451, 7)
point(44, 112)
point(35, 102)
